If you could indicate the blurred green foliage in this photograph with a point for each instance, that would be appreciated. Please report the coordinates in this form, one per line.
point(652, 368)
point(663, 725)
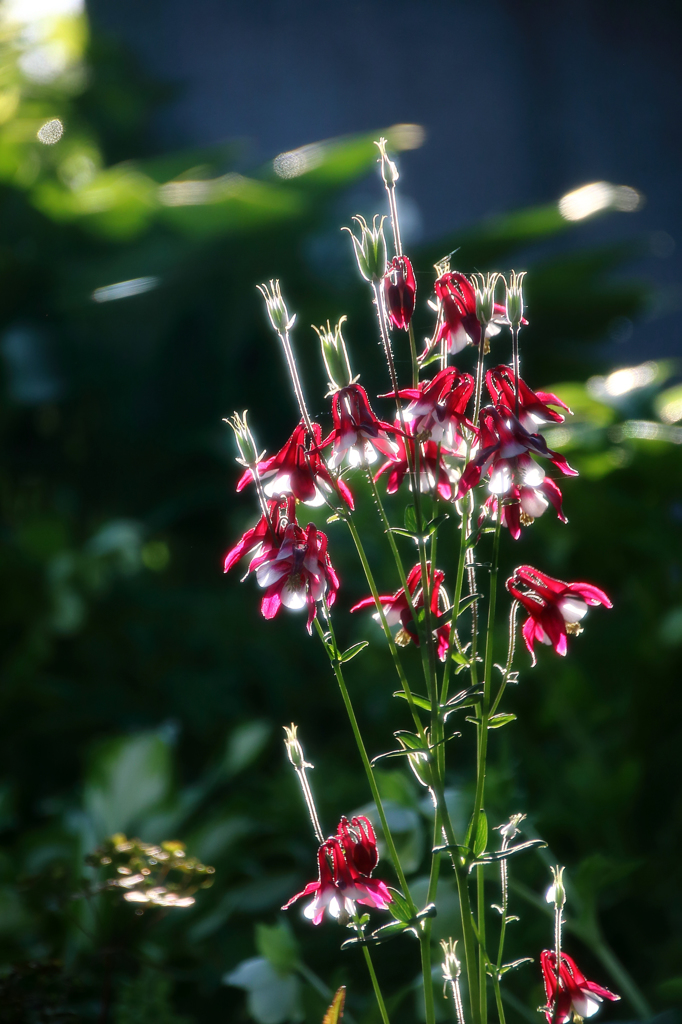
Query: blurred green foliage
point(142, 692)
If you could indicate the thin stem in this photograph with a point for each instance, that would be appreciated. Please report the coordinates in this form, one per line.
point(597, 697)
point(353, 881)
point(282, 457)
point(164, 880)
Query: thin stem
point(498, 998)
point(296, 381)
point(515, 351)
point(310, 804)
point(382, 617)
point(395, 224)
point(482, 974)
point(375, 986)
point(510, 656)
point(413, 356)
point(425, 949)
point(336, 666)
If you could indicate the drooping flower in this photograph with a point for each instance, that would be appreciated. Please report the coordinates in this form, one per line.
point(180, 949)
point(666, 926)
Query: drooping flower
point(554, 608)
point(266, 535)
point(358, 436)
point(534, 406)
point(345, 863)
point(396, 608)
point(432, 467)
point(299, 573)
point(524, 503)
point(458, 323)
point(298, 469)
point(571, 995)
point(400, 288)
point(438, 407)
point(504, 450)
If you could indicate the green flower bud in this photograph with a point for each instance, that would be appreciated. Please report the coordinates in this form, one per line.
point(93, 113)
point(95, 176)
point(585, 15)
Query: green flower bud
point(556, 893)
point(389, 171)
point(244, 438)
point(515, 298)
point(276, 307)
point(294, 748)
point(335, 356)
point(484, 288)
point(370, 248)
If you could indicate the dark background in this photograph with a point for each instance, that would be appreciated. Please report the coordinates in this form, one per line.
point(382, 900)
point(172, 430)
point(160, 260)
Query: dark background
point(141, 690)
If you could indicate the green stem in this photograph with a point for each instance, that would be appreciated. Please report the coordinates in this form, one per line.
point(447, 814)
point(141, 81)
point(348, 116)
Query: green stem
point(413, 357)
point(498, 998)
point(336, 666)
point(375, 986)
point(425, 948)
point(382, 617)
point(482, 975)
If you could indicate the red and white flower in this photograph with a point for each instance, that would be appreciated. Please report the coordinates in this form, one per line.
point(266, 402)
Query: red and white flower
point(504, 451)
point(534, 406)
point(571, 995)
point(433, 472)
point(400, 288)
point(438, 407)
point(396, 608)
point(523, 503)
point(358, 436)
point(298, 469)
point(298, 574)
point(457, 323)
point(345, 863)
point(266, 535)
point(554, 608)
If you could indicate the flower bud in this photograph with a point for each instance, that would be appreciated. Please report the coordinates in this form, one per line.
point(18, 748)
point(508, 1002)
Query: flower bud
point(370, 248)
point(244, 438)
point(276, 307)
point(556, 893)
point(389, 171)
point(484, 289)
point(400, 288)
point(451, 966)
point(294, 748)
point(515, 299)
point(335, 356)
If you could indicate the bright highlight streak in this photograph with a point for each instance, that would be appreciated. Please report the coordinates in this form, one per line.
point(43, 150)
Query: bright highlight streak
point(647, 430)
point(201, 191)
point(620, 382)
point(35, 10)
point(51, 132)
point(671, 410)
point(125, 289)
point(599, 195)
point(299, 161)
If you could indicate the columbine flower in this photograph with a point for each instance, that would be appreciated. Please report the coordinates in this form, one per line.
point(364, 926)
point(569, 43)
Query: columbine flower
point(533, 405)
point(358, 435)
point(505, 449)
point(298, 574)
point(299, 470)
point(574, 996)
point(397, 610)
point(432, 468)
point(458, 323)
point(437, 409)
point(554, 608)
point(266, 535)
point(400, 288)
point(345, 862)
point(524, 503)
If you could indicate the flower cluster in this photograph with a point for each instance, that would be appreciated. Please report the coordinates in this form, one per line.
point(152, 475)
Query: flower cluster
point(345, 862)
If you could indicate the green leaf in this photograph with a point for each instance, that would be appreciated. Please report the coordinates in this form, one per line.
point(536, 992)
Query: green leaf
point(278, 945)
point(405, 533)
point(481, 840)
point(421, 702)
point(466, 603)
point(335, 1011)
point(410, 519)
point(461, 659)
point(400, 908)
point(498, 855)
point(352, 651)
point(334, 519)
point(388, 931)
point(497, 721)
point(129, 778)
